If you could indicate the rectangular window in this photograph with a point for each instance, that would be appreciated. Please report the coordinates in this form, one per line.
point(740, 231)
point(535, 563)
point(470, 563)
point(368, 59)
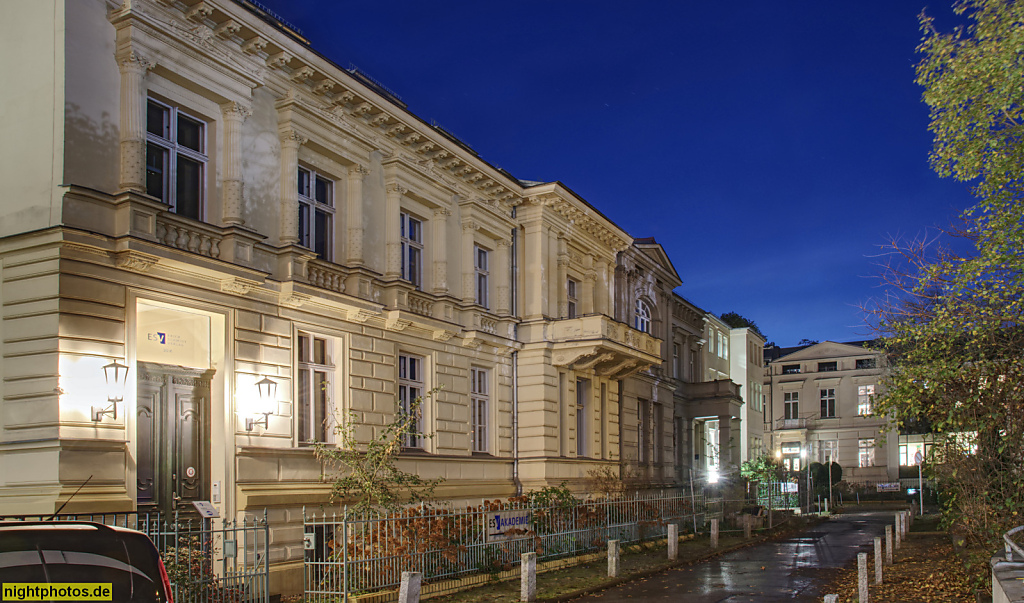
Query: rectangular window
point(643, 429)
point(582, 434)
point(570, 295)
point(866, 452)
point(482, 275)
point(829, 451)
point(479, 403)
point(315, 420)
point(316, 213)
point(411, 388)
point(175, 159)
point(790, 369)
point(866, 363)
point(412, 250)
point(825, 367)
point(865, 396)
point(724, 346)
point(828, 403)
point(791, 403)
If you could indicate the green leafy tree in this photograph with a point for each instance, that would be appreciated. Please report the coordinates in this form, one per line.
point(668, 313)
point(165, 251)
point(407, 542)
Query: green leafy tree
point(737, 321)
point(367, 473)
point(953, 321)
point(763, 469)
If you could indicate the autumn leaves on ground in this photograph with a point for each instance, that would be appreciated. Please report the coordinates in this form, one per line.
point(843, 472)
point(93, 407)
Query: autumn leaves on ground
point(925, 570)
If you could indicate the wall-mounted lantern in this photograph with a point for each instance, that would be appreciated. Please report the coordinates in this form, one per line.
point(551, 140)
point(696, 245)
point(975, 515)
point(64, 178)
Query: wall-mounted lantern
point(116, 376)
point(266, 406)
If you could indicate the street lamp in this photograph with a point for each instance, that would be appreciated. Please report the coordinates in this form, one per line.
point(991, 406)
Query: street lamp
point(267, 390)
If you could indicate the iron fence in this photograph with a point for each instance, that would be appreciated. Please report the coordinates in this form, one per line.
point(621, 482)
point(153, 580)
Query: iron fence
point(205, 563)
point(348, 553)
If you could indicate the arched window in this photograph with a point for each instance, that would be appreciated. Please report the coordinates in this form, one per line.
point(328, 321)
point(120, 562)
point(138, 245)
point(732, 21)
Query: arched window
point(642, 316)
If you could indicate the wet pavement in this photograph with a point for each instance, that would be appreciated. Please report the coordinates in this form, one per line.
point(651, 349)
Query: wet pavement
point(794, 569)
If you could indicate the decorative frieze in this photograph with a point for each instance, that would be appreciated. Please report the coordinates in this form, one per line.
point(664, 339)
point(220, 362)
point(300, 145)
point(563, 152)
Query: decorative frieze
point(254, 45)
point(135, 261)
point(238, 286)
point(228, 28)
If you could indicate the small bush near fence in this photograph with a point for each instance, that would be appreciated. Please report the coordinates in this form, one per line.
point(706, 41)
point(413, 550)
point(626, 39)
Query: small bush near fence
point(361, 552)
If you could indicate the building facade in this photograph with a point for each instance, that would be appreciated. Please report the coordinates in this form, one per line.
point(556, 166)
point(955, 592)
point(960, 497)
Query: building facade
point(271, 246)
point(820, 401)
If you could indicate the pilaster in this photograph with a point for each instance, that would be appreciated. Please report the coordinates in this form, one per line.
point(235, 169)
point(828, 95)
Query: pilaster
point(354, 199)
point(440, 247)
point(392, 231)
point(233, 185)
point(133, 69)
point(469, 261)
point(501, 277)
point(290, 143)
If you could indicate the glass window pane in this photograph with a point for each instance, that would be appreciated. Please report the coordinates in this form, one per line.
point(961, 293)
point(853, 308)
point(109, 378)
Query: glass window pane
point(303, 343)
point(190, 177)
point(320, 234)
point(190, 133)
point(156, 167)
point(156, 120)
point(323, 191)
point(304, 406)
point(304, 225)
point(303, 182)
point(320, 351)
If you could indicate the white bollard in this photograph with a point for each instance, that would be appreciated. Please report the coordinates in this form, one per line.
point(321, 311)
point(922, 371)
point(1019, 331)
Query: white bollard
point(714, 533)
point(831, 598)
point(826, 506)
point(409, 592)
point(613, 558)
point(878, 559)
point(898, 531)
point(888, 545)
point(528, 578)
point(747, 519)
point(673, 541)
point(862, 577)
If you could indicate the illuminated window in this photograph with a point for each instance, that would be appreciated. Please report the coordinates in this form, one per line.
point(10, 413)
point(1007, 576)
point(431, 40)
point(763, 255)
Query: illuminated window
point(175, 159)
point(866, 452)
point(829, 451)
point(791, 404)
point(865, 395)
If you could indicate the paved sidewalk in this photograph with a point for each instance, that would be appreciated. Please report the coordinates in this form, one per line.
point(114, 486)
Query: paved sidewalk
point(794, 569)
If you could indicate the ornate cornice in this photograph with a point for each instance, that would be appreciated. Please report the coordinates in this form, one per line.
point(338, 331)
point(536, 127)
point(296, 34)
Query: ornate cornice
point(238, 286)
point(135, 261)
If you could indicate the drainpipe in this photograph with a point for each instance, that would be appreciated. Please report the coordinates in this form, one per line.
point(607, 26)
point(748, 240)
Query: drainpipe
point(515, 360)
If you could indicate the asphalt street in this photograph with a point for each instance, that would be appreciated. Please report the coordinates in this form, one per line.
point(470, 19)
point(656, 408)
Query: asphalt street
point(794, 569)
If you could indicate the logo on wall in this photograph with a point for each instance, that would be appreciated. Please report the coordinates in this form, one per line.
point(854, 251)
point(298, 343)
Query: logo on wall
point(166, 339)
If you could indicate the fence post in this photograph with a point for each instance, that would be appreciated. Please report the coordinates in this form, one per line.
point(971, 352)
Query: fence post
point(714, 533)
point(878, 559)
point(831, 598)
point(673, 541)
point(409, 592)
point(898, 531)
point(528, 577)
point(888, 545)
point(613, 558)
point(862, 577)
point(746, 526)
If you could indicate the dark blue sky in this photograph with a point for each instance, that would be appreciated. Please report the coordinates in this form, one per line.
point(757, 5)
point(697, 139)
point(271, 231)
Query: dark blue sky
point(771, 147)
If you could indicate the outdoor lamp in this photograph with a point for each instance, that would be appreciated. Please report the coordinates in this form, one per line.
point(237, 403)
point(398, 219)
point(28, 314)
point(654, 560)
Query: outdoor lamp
point(116, 375)
point(267, 389)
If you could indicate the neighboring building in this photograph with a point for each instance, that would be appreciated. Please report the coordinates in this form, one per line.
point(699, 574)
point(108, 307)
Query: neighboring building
point(746, 367)
point(821, 408)
point(191, 193)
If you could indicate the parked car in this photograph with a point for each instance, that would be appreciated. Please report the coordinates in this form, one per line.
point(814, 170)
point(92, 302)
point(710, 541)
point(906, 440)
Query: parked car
point(82, 553)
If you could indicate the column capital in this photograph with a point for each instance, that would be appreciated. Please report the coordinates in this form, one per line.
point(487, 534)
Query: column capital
point(469, 226)
point(503, 243)
point(357, 171)
point(133, 62)
point(442, 212)
point(396, 189)
point(291, 138)
point(236, 110)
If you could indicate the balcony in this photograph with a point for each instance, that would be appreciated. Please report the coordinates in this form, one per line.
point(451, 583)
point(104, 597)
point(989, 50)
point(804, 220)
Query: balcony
point(598, 343)
point(799, 423)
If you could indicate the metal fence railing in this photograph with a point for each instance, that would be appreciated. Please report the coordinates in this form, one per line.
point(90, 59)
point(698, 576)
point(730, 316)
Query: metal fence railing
point(225, 564)
point(348, 553)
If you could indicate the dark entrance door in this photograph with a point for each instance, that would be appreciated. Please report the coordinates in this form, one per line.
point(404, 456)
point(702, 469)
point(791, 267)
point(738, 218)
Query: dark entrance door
point(173, 435)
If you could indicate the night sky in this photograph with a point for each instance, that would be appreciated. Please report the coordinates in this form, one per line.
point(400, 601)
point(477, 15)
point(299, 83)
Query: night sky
point(771, 147)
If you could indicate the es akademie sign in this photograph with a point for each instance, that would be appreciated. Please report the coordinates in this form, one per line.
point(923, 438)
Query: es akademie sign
point(505, 525)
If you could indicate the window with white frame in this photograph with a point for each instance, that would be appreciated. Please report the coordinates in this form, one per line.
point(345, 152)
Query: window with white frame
point(412, 249)
point(828, 402)
point(791, 405)
point(175, 158)
point(410, 388)
point(316, 212)
point(582, 394)
point(723, 345)
point(865, 395)
point(480, 259)
point(479, 400)
point(315, 419)
point(642, 318)
point(570, 295)
point(829, 451)
point(866, 452)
